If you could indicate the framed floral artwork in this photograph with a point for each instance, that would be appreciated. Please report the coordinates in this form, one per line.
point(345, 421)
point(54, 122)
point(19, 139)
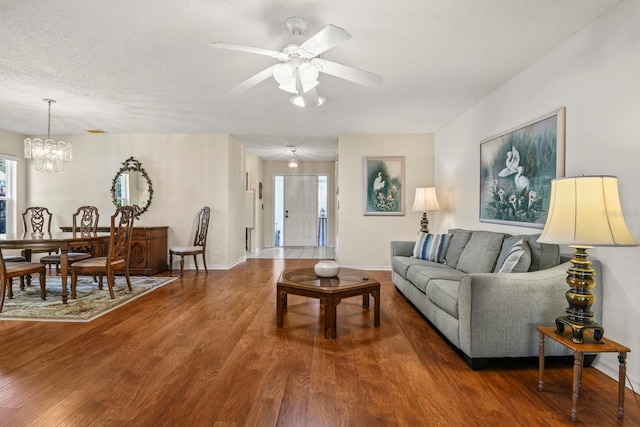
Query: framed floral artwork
point(516, 169)
point(383, 186)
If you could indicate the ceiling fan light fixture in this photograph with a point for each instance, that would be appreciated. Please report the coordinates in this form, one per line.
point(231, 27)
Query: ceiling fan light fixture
point(302, 101)
point(283, 73)
point(296, 78)
point(300, 62)
point(289, 87)
point(308, 73)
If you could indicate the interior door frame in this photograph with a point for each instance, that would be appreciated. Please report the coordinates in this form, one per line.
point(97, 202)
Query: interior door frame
point(276, 219)
point(302, 200)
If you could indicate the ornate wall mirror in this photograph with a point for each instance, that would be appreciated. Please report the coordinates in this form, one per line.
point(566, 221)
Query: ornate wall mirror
point(132, 187)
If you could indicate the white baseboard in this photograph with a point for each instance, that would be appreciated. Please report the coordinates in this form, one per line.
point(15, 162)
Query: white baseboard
point(190, 266)
point(611, 370)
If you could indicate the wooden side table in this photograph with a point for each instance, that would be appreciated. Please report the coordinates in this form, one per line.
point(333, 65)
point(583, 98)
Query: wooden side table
point(590, 345)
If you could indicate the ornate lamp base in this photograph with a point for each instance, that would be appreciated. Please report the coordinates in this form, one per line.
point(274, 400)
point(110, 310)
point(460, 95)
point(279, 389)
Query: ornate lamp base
point(424, 223)
point(578, 329)
point(579, 317)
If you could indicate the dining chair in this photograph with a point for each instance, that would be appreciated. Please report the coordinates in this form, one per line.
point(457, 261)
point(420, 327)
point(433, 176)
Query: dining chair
point(19, 269)
point(199, 243)
point(15, 258)
point(117, 256)
point(84, 223)
point(36, 220)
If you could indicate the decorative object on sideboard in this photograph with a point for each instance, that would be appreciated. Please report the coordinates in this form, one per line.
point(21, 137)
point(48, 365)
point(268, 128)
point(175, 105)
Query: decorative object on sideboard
point(425, 201)
point(48, 155)
point(327, 268)
point(584, 212)
point(132, 187)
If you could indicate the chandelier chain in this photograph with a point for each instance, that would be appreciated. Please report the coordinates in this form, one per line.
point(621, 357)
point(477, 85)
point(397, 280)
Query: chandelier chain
point(49, 122)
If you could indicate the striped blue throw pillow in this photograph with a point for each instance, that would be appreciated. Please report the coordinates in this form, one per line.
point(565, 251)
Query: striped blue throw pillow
point(431, 247)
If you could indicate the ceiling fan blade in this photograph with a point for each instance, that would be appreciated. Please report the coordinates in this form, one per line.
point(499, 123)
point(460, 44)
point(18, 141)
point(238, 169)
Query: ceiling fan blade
point(348, 73)
point(328, 37)
point(253, 80)
point(249, 49)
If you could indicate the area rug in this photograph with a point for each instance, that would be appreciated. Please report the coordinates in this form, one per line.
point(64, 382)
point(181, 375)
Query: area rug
point(90, 303)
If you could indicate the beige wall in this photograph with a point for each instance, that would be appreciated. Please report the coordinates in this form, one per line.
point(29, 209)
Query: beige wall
point(595, 75)
point(271, 169)
point(187, 173)
point(363, 241)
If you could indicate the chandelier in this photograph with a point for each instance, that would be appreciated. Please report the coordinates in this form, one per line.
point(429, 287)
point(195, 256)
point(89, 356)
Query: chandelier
point(47, 155)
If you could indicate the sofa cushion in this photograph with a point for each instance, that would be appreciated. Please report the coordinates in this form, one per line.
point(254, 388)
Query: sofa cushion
point(480, 253)
point(401, 264)
point(517, 260)
point(431, 247)
point(420, 275)
point(457, 242)
point(444, 294)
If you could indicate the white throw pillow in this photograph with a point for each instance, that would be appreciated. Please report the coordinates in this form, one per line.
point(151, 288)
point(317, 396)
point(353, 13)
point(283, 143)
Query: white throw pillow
point(518, 259)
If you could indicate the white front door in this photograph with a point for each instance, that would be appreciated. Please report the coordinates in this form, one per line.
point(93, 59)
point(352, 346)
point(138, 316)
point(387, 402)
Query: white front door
point(300, 210)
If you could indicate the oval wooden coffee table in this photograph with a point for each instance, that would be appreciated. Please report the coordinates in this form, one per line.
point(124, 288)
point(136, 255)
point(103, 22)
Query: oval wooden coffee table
point(330, 291)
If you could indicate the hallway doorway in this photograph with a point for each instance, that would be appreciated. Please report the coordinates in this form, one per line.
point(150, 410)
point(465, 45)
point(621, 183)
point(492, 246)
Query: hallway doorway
point(300, 210)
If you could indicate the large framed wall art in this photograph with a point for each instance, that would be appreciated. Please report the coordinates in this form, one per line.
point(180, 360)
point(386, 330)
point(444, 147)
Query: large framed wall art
point(516, 169)
point(383, 186)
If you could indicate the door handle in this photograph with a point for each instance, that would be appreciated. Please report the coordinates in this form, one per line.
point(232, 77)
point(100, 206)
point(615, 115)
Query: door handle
point(286, 214)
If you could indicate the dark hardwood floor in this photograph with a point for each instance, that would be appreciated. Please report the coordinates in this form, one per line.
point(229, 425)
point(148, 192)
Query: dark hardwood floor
point(205, 351)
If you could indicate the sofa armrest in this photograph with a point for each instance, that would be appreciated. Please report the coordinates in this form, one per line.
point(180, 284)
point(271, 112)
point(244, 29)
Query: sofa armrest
point(499, 313)
point(402, 248)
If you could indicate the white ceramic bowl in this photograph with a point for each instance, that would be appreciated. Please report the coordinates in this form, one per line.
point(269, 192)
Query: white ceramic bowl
point(327, 268)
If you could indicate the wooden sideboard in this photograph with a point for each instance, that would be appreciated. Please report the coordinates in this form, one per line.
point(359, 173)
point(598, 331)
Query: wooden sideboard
point(148, 249)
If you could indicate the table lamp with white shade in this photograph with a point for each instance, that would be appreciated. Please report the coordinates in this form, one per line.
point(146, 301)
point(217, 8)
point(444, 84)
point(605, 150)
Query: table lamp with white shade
point(425, 201)
point(584, 212)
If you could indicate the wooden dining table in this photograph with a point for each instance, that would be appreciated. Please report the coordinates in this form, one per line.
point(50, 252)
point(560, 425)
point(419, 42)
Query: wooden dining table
point(63, 241)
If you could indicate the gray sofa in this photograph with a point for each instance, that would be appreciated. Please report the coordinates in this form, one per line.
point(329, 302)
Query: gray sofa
point(483, 313)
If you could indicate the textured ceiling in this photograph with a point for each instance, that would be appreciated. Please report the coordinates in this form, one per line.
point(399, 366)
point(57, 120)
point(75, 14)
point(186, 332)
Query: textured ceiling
point(143, 66)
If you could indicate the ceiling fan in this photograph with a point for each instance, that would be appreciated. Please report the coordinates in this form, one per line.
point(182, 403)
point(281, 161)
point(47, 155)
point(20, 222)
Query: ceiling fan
point(300, 63)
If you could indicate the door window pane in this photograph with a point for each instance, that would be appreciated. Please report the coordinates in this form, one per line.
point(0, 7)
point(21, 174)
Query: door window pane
point(7, 195)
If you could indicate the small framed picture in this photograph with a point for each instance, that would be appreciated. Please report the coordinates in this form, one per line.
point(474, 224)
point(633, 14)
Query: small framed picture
point(383, 186)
